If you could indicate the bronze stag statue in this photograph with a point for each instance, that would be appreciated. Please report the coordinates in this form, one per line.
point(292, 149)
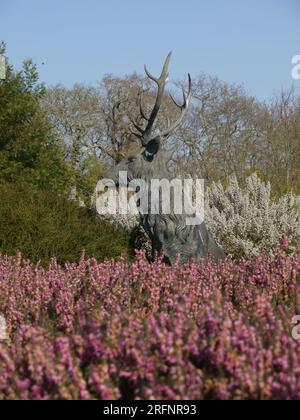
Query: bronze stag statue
point(169, 233)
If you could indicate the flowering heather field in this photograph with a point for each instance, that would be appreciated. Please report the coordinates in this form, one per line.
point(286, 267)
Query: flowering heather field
point(147, 331)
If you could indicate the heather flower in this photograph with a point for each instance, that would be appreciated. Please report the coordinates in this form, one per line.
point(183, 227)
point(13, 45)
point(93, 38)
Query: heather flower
point(120, 330)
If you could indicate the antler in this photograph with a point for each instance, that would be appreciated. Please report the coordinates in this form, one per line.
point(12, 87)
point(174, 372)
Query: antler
point(183, 109)
point(145, 134)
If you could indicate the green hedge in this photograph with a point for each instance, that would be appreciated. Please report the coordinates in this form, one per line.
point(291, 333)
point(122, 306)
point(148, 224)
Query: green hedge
point(40, 225)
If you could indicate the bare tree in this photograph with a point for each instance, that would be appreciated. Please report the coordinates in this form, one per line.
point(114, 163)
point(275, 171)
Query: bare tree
point(226, 131)
point(282, 142)
point(222, 133)
point(73, 114)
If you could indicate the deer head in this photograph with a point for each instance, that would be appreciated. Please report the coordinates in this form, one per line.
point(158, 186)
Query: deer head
point(151, 160)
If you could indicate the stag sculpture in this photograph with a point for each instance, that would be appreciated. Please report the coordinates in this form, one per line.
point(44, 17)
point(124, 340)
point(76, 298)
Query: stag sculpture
point(169, 233)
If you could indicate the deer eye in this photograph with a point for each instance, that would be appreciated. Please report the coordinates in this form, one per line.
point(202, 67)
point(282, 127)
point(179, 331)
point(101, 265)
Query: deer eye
point(131, 159)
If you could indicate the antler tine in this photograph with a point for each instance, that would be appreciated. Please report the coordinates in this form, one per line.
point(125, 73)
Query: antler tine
point(183, 109)
point(143, 115)
point(174, 100)
point(163, 78)
point(137, 127)
point(142, 112)
point(139, 136)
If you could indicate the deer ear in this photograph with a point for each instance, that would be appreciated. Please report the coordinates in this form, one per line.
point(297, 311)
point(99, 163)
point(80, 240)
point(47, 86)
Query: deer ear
point(152, 148)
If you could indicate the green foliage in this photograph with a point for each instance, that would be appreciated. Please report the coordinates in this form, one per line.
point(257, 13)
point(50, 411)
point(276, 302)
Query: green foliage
point(29, 153)
point(40, 225)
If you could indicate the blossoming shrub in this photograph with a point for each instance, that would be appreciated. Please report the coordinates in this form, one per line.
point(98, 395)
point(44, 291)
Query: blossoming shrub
point(246, 221)
point(142, 331)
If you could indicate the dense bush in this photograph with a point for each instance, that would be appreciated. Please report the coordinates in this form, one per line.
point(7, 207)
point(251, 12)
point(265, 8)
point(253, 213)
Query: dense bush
point(41, 224)
point(143, 331)
point(247, 220)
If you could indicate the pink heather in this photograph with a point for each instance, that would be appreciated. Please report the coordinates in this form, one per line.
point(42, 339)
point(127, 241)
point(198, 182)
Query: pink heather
point(148, 331)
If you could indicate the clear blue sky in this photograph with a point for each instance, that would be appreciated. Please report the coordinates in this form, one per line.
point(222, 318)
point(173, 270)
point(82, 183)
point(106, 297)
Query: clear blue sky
point(244, 41)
